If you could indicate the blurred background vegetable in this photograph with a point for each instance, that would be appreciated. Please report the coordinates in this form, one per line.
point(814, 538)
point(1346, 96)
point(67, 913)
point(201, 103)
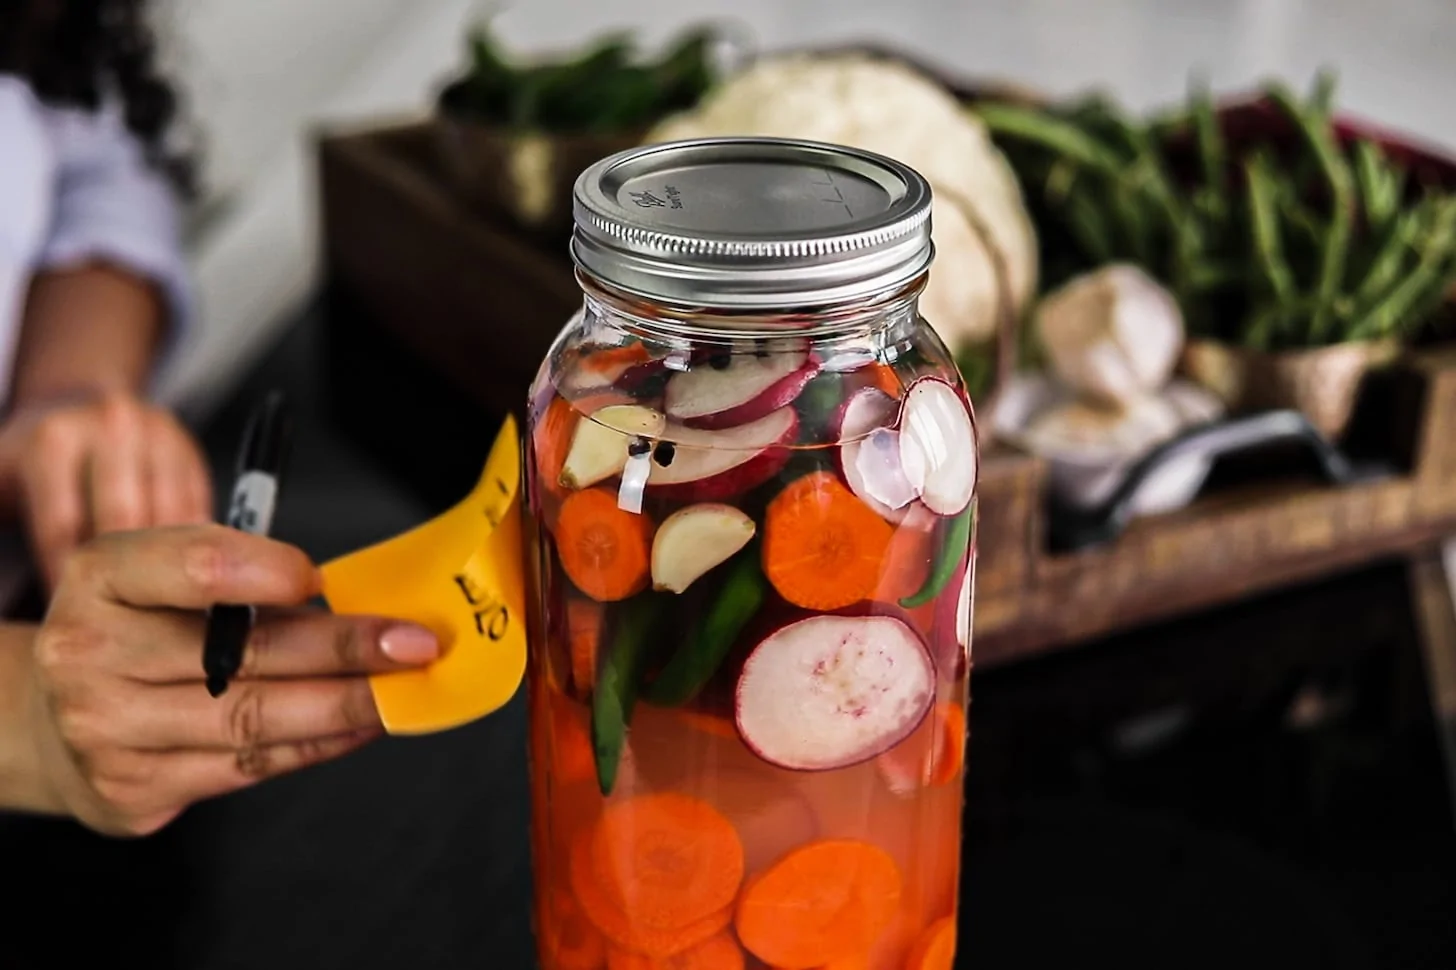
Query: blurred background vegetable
point(1269, 243)
point(606, 88)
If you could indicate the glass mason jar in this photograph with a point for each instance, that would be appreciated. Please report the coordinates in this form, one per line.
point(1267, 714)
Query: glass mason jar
point(751, 469)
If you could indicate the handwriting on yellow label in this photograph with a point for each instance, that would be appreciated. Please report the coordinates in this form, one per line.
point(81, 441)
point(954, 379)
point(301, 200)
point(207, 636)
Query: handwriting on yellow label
point(461, 575)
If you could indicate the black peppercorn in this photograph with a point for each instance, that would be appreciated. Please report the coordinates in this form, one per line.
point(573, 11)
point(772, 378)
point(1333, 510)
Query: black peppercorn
point(664, 453)
point(639, 447)
point(721, 360)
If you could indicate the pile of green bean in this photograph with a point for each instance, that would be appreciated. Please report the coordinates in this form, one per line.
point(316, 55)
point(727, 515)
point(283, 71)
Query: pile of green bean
point(1271, 245)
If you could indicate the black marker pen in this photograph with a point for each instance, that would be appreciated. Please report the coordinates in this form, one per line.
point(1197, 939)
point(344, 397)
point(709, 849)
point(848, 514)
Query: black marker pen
point(254, 497)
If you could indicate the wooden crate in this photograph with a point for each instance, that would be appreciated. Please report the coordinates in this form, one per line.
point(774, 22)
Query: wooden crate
point(482, 306)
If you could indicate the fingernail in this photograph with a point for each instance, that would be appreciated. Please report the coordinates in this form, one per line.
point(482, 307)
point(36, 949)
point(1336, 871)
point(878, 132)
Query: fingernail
point(409, 644)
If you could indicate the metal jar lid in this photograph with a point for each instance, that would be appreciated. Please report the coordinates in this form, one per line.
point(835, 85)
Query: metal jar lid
point(751, 223)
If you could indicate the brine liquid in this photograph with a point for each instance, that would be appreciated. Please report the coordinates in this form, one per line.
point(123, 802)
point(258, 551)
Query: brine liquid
point(905, 800)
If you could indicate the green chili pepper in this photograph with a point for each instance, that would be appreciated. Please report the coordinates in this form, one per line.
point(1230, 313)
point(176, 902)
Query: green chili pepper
point(615, 694)
point(817, 406)
point(696, 662)
point(952, 550)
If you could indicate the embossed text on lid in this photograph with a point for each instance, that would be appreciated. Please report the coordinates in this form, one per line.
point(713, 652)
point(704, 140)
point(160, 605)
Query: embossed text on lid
point(752, 223)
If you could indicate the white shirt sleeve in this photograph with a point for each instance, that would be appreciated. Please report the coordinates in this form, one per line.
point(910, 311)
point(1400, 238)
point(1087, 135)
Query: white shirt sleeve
point(112, 205)
point(27, 188)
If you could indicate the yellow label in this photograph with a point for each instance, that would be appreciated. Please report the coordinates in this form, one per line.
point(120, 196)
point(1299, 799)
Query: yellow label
point(460, 575)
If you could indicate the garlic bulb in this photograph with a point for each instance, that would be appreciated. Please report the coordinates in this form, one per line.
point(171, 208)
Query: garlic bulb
point(1113, 335)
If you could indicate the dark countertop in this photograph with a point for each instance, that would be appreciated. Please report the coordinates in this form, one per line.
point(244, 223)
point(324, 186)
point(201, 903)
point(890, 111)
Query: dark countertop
point(1231, 842)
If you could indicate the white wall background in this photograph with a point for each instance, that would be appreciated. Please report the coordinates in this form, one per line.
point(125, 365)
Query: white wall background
point(262, 72)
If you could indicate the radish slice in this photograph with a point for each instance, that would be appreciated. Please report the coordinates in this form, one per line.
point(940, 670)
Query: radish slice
point(938, 446)
point(745, 390)
point(869, 453)
point(963, 606)
point(948, 632)
point(831, 691)
point(709, 466)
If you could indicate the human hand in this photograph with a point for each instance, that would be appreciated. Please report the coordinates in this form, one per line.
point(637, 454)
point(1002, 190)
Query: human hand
point(84, 468)
point(125, 733)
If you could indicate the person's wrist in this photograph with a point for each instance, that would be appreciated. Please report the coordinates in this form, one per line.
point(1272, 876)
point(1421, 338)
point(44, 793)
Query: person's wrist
point(41, 400)
point(23, 781)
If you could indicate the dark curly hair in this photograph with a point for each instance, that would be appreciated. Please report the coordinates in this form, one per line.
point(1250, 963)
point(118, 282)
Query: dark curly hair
point(77, 52)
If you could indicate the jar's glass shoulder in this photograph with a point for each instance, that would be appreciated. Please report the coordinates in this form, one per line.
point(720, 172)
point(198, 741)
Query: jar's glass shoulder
point(699, 375)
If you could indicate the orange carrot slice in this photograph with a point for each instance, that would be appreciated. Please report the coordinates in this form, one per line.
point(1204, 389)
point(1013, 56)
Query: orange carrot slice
point(713, 724)
point(860, 961)
point(621, 931)
point(948, 753)
point(667, 859)
point(568, 939)
point(573, 757)
point(932, 755)
point(907, 563)
point(825, 901)
point(823, 549)
point(552, 440)
point(604, 550)
point(935, 950)
point(719, 952)
point(584, 634)
point(883, 376)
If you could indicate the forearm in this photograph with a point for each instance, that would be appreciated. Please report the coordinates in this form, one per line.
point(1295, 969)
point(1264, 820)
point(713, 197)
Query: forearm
point(22, 785)
point(86, 330)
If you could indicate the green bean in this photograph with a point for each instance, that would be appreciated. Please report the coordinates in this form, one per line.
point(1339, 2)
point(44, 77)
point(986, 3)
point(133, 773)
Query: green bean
point(1210, 138)
point(1369, 179)
point(1131, 220)
point(1101, 118)
point(1259, 333)
point(1303, 225)
point(1214, 275)
point(738, 601)
point(1084, 221)
point(1054, 134)
point(948, 560)
point(1392, 312)
point(1389, 259)
point(1319, 137)
point(1322, 93)
point(1263, 215)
